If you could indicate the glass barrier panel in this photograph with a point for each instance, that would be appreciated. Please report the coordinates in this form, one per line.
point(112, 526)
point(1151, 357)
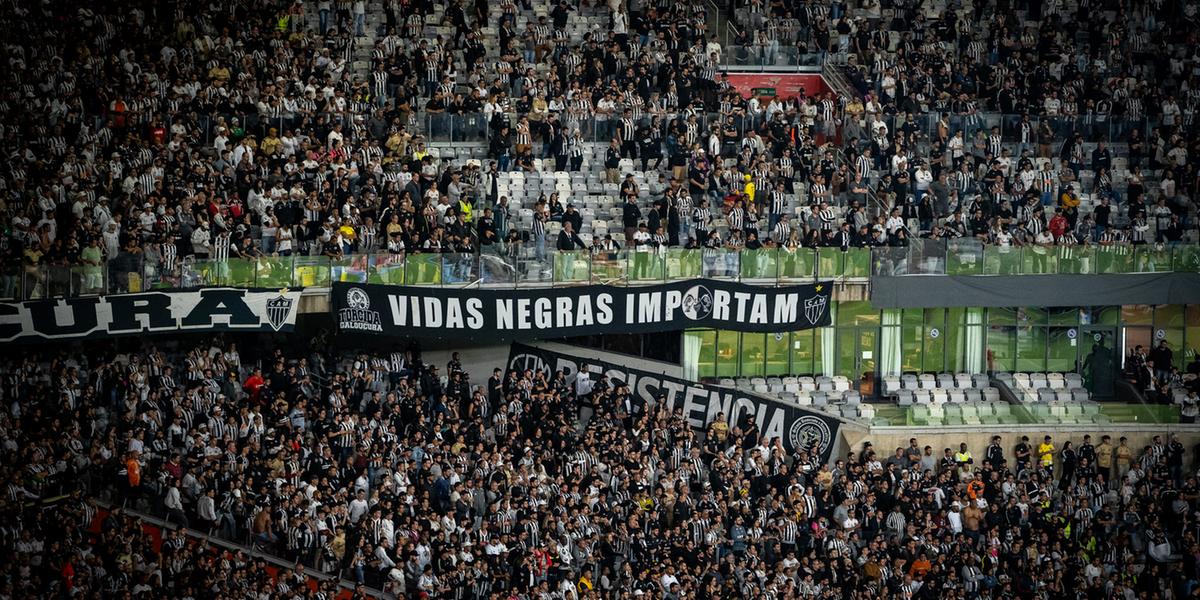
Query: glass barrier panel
point(1039, 260)
point(10, 282)
point(1185, 258)
point(890, 261)
point(199, 273)
point(608, 267)
point(311, 271)
point(1074, 260)
point(1136, 413)
point(460, 267)
point(684, 264)
point(1151, 259)
point(497, 268)
point(153, 277)
point(124, 276)
point(857, 262)
point(644, 265)
point(1001, 260)
point(830, 262)
point(386, 269)
point(86, 280)
point(1114, 259)
point(58, 281)
point(349, 269)
point(964, 257)
point(925, 257)
point(530, 270)
point(274, 272)
point(760, 263)
point(423, 269)
point(720, 263)
point(797, 263)
point(571, 266)
point(238, 272)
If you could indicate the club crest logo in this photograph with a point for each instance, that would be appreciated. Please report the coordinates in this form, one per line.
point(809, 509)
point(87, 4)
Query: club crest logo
point(814, 309)
point(697, 303)
point(278, 310)
point(521, 362)
point(357, 314)
point(810, 433)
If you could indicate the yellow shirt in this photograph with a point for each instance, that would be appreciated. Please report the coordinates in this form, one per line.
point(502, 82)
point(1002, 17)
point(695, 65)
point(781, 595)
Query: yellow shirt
point(1104, 455)
point(1124, 455)
point(270, 145)
point(1046, 451)
point(749, 191)
point(720, 429)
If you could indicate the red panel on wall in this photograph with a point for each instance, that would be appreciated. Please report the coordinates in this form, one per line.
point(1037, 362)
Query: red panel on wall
point(785, 85)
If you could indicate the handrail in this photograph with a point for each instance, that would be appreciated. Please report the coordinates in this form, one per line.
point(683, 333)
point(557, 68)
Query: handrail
point(833, 74)
point(512, 268)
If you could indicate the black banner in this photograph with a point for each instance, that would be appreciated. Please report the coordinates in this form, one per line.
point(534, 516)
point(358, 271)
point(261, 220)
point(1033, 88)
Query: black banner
point(212, 309)
point(482, 313)
point(795, 426)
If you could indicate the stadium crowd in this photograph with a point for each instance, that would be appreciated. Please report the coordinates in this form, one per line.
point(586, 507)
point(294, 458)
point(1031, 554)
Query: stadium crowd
point(384, 469)
point(147, 134)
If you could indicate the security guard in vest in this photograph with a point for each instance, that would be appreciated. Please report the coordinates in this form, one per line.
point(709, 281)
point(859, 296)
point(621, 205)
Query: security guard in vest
point(963, 456)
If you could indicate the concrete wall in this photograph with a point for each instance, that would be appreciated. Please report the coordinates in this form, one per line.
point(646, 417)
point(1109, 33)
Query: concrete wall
point(478, 361)
point(651, 366)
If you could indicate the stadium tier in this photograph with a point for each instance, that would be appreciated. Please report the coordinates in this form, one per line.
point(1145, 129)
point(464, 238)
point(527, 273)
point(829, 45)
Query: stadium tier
point(562, 299)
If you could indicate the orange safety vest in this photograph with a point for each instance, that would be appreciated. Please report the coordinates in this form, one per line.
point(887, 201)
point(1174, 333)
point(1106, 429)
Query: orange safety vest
point(134, 470)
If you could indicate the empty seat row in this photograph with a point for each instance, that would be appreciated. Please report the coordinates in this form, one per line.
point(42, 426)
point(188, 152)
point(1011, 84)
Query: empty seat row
point(928, 381)
point(819, 398)
point(794, 385)
point(850, 411)
point(1037, 381)
point(947, 396)
point(1053, 396)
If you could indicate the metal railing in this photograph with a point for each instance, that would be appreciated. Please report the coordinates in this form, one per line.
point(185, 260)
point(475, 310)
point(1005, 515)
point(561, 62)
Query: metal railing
point(1093, 128)
point(965, 256)
point(984, 414)
point(962, 256)
point(492, 269)
point(474, 127)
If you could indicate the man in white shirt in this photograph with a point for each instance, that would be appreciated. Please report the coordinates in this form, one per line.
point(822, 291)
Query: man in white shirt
point(899, 162)
point(1052, 104)
point(221, 141)
point(583, 383)
point(921, 179)
point(954, 517)
point(174, 505)
point(894, 222)
point(206, 508)
point(334, 137)
point(358, 507)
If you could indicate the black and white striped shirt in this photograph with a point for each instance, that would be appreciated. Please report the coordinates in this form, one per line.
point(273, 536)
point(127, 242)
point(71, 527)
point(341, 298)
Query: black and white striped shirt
point(221, 246)
point(782, 231)
point(778, 202)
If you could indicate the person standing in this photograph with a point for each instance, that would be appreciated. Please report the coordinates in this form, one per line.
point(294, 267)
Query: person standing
point(1046, 453)
point(1022, 453)
point(1124, 456)
point(631, 215)
point(1163, 358)
point(1104, 457)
